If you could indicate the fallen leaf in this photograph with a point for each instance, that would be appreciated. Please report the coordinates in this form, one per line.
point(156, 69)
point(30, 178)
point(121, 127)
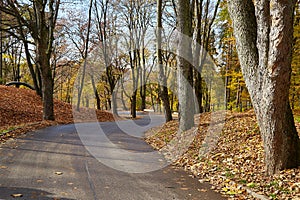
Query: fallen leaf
point(185, 189)
point(17, 195)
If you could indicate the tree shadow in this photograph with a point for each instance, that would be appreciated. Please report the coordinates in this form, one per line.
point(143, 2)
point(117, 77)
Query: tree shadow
point(27, 194)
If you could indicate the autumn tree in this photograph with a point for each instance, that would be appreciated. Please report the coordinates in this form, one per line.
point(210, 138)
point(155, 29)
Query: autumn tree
point(107, 35)
point(42, 32)
point(264, 33)
point(39, 18)
point(136, 18)
point(13, 29)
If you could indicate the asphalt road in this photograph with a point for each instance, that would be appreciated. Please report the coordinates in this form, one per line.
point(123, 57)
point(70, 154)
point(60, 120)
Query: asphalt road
point(63, 162)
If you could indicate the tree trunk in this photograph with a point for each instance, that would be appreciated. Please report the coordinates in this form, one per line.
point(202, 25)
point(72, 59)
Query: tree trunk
point(123, 101)
point(135, 77)
point(198, 91)
point(98, 101)
point(133, 105)
point(33, 73)
point(82, 81)
point(143, 96)
point(143, 79)
point(114, 103)
point(164, 93)
point(264, 42)
point(43, 43)
point(185, 70)
point(47, 80)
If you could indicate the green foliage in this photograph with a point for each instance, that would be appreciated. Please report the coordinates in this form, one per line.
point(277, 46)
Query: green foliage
point(295, 79)
point(297, 118)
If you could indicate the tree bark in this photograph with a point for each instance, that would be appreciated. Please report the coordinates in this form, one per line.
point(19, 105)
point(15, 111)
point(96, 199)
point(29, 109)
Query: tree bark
point(123, 101)
point(185, 69)
point(264, 34)
point(164, 94)
point(133, 104)
point(44, 41)
point(33, 73)
point(96, 93)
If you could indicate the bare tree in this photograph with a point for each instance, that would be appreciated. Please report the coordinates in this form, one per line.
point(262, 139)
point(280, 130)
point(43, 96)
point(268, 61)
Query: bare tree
point(132, 36)
point(204, 19)
point(85, 56)
point(106, 31)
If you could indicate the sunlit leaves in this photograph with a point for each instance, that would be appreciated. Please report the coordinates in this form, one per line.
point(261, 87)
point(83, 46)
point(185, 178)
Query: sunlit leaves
point(237, 163)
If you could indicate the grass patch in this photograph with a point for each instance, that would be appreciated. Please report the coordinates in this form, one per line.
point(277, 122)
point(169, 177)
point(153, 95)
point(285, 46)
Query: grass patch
point(273, 196)
point(229, 174)
point(251, 185)
point(273, 184)
point(2, 132)
point(297, 118)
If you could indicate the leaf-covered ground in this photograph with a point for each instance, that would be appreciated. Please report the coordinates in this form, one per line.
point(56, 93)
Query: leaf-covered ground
point(21, 111)
point(236, 163)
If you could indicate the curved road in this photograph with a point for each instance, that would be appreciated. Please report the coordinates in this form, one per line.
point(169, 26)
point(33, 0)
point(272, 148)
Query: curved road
point(53, 163)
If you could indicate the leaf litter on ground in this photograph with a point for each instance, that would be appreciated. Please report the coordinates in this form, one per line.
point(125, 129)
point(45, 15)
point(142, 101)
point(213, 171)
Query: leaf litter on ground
point(236, 162)
point(21, 111)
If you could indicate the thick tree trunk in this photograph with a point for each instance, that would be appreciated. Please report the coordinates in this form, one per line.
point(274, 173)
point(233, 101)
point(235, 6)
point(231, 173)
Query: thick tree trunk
point(48, 105)
point(47, 82)
point(264, 42)
point(43, 41)
point(185, 69)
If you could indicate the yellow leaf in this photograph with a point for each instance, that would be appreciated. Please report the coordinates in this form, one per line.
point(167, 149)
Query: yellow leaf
point(231, 192)
point(225, 189)
point(17, 195)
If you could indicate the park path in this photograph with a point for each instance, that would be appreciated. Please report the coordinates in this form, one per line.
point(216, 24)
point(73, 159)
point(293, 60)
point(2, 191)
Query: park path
point(53, 163)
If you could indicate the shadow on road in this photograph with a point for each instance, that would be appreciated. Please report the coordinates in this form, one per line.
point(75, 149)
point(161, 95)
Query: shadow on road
point(27, 193)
